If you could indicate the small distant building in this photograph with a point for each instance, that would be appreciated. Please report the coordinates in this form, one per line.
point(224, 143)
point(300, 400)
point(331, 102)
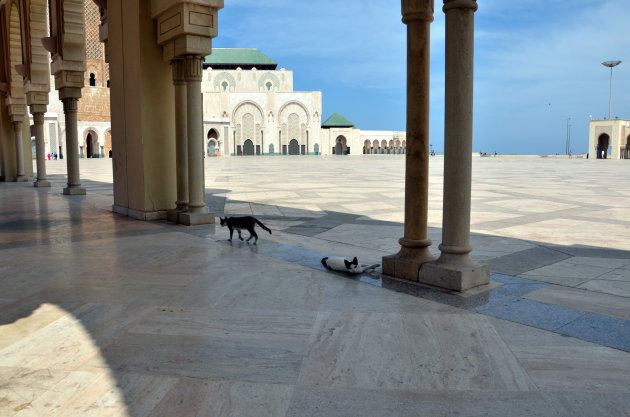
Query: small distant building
point(609, 139)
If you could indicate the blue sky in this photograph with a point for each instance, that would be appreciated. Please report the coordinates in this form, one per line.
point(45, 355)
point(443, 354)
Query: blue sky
point(537, 63)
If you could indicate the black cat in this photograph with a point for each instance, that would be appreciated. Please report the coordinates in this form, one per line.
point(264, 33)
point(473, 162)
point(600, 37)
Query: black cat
point(243, 223)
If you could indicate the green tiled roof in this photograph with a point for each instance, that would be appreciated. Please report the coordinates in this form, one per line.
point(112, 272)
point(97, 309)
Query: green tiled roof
point(337, 120)
point(238, 56)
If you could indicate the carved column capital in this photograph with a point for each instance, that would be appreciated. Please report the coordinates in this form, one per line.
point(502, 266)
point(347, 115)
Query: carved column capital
point(179, 77)
point(193, 68)
point(70, 105)
point(417, 10)
point(17, 127)
point(460, 4)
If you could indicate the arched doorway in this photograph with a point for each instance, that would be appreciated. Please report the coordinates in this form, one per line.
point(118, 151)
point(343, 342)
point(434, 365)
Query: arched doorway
point(603, 141)
point(212, 147)
point(91, 145)
point(383, 146)
point(341, 147)
point(366, 147)
point(108, 143)
point(271, 148)
point(375, 146)
point(294, 147)
point(404, 146)
point(213, 143)
point(627, 153)
point(316, 149)
point(248, 148)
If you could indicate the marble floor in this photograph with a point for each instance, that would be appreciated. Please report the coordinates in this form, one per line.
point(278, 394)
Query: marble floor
point(101, 315)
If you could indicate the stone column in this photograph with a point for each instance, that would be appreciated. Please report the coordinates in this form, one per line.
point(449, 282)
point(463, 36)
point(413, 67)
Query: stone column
point(414, 251)
point(181, 140)
point(197, 211)
point(38, 120)
point(19, 151)
point(70, 105)
point(454, 269)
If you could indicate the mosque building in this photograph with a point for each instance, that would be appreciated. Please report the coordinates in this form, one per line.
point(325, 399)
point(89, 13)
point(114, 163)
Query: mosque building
point(251, 108)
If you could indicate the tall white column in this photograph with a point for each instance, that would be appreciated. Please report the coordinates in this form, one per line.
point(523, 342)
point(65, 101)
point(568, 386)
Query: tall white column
point(70, 108)
point(454, 269)
point(197, 211)
point(19, 151)
point(40, 148)
point(414, 245)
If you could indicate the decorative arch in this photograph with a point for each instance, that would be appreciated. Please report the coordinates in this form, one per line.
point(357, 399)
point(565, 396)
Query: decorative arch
point(366, 146)
point(603, 142)
point(213, 144)
point(285, 106)
point(90, 143)
point(341, 145)
point(293, 118)
point(38, 62)
point(248, 117)
point(266, 79)
point(15, 50)
point(375, 146)
point(220, 82)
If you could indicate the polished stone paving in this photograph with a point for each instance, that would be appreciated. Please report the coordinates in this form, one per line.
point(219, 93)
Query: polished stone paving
point(101, 315)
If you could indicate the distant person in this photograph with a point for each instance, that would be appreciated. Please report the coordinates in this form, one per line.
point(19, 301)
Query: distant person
point(48, 156)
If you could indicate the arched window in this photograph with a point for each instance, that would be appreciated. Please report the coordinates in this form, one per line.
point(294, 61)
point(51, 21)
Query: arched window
point(92, 79)
point(269, 85)
point(107, 83)
point(225, 85)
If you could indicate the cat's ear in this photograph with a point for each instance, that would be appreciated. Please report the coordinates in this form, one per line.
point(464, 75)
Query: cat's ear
point(355, 261)
point(348, 264)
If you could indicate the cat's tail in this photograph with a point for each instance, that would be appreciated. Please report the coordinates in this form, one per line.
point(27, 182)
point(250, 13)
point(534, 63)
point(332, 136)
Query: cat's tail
point(263, 226)
point(366, 267)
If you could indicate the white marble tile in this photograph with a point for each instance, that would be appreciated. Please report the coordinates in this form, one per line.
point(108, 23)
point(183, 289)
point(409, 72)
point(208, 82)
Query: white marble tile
point(364, 350)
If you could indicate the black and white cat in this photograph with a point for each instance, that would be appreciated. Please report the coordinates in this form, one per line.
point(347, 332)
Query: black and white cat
point(337, 263)
point(243, 223)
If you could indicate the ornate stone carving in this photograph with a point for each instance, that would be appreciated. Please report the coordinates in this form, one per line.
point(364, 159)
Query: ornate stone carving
point(193, 68)
point(417, 10)
point(460, 4)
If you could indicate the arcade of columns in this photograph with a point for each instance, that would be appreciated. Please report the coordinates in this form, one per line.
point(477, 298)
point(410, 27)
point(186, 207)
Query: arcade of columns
point(155, 49)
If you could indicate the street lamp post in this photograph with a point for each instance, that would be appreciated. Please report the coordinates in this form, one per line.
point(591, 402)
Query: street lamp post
point(611, 65)
point(568, 139)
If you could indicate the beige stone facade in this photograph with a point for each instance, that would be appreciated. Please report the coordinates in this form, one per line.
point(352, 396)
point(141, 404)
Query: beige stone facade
point(257, 112)
point(609, 139)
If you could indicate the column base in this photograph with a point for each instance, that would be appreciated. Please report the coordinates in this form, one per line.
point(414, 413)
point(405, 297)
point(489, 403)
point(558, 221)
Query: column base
point(406, 264)
point(173, 215)
point(74, 191)
point(139, 214)
point(194, 219)
point(21, 178)
point(454, 277)
point(41, 183)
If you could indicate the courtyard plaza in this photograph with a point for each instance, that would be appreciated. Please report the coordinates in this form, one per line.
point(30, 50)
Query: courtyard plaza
point(102, 315)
